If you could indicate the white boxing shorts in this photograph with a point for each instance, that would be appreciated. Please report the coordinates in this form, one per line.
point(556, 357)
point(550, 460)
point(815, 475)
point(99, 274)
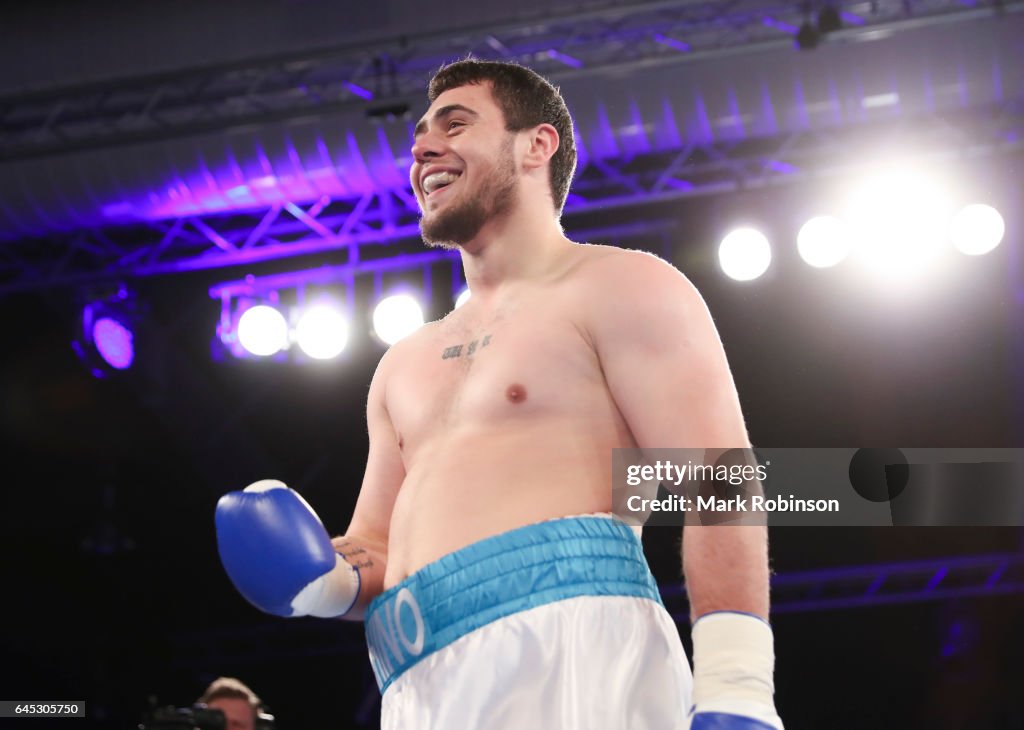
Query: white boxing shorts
point(553, 626)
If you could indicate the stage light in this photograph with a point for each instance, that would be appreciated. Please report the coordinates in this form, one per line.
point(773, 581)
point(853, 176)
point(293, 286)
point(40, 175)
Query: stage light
point(899, 221)
point(105, 340)
point(824, 241)
point(322, 332)
point(396, 317)
point(463, 297)
point(262, 330)
point(114, 342)
point(744, 254)
point(977, 229)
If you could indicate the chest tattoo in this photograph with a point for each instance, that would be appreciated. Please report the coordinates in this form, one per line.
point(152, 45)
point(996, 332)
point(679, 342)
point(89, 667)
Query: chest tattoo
point(465, 349)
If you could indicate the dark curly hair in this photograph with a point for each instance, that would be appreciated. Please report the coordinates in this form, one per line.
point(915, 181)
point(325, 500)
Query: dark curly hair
point(526, 99)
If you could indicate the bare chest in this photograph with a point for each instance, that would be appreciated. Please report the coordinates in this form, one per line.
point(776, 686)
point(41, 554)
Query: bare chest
point(528, 366)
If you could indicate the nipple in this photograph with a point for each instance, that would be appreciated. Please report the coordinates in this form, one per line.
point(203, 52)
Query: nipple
point(515, 393)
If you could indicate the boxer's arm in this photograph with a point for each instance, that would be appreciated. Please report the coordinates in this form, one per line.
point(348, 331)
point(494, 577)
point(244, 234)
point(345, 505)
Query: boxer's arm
point(667, 371)
point(365, 542)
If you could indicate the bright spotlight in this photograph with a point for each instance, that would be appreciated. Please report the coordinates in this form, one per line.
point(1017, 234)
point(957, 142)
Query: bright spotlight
point(395, 317)
point(899, 222)
point(824, 241)
point(322, 332)
point(262, 330)
point(744, 254)
point(463, 297)
point(977, 229)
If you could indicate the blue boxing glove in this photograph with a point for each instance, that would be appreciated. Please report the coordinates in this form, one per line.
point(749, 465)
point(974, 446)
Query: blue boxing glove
point(733, 662)
point(279, 555)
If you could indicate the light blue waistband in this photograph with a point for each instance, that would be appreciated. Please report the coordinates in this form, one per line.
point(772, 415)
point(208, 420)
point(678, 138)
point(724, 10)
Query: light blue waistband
point(496, 577)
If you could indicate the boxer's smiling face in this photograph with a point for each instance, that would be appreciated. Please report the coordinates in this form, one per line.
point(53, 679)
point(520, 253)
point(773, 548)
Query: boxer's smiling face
point(464, 170)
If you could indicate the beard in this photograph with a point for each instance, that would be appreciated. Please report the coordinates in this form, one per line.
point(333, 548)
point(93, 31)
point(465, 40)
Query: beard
point(462, 220)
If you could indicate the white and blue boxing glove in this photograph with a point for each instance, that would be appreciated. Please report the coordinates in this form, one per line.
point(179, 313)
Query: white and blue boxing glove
point(279, 556)
point(733, 663)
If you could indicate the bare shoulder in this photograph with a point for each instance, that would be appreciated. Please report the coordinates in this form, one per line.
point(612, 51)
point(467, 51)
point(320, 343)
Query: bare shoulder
point(410, 346)
point(406, 349)
point(618, 277)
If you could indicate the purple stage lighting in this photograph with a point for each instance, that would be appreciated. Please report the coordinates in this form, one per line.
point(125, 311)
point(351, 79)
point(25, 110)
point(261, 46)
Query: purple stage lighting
point(113, 342)
point(106, 341)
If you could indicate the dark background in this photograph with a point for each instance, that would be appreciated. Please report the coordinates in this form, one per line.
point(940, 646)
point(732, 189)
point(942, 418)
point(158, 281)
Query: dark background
point(113, 592)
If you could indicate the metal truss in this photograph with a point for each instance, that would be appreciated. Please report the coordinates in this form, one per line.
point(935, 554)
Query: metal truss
point(368, 227)
point(885, 584)
point(364, 229)
point(380, 76)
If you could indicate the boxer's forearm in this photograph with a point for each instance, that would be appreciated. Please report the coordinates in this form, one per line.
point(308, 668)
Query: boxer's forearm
point(370, 558)
point(726, 569)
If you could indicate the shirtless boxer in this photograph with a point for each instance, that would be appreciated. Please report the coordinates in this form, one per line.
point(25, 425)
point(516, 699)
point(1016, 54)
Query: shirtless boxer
point(497, 591)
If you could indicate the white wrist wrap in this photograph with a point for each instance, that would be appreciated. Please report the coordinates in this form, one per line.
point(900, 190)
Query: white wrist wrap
point(733, 661)
point(332, 594)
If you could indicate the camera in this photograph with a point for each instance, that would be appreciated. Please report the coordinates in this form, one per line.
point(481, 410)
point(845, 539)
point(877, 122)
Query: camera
point(196, 717)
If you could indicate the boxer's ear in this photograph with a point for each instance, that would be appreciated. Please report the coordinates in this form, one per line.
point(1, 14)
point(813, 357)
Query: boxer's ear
point(543, 143)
